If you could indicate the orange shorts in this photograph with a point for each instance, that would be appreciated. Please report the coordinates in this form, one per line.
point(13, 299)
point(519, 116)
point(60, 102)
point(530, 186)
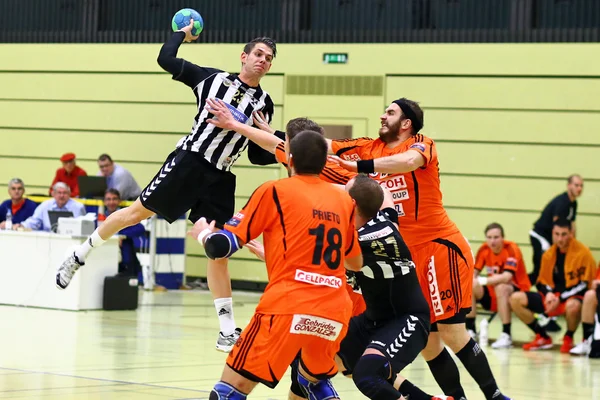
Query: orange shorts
point(445, 271)
point(269, 344)
point(358, 302)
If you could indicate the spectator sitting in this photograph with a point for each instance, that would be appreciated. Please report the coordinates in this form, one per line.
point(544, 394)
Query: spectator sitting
point(506, 274)
point(129, 264)
point(589, 309)
point(40, 220)
point(19, 207)
point(68, 174)
point(118, 178)
point(567, 270)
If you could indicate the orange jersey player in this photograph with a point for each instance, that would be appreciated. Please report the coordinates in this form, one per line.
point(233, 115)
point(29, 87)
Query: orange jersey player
point(309, 236)
point(406, 163)
point(506, 274)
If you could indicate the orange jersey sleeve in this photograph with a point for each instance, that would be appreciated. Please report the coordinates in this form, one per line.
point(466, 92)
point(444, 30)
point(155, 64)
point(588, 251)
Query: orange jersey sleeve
point(424, 146)
point(353, 248)
point(255, 216)
point(280, 154)
point(353, 149)
point(480, 259)
point(333, 173)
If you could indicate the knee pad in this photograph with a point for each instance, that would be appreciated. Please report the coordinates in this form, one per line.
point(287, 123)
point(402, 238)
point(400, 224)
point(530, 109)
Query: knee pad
point(322, 390)
point(224, 391)
point(371, 375)
point(295, 387)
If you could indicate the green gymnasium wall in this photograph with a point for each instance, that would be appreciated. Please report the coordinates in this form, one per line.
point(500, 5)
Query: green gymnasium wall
point(511, 121)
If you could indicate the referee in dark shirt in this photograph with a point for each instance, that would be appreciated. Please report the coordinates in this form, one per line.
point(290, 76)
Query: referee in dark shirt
point(196, 176)
point(563, 206)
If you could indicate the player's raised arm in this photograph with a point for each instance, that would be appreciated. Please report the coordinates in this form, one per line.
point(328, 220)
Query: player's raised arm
point(396, 164)
point(182, 70)
point(225, 120)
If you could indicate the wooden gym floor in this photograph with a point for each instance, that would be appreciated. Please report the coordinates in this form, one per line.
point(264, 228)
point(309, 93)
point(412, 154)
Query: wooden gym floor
point(165, 350)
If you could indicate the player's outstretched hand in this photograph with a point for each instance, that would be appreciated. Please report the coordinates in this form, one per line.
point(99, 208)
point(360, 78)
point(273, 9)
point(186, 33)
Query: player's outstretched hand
point(222, 116)
point(349, 165)
point(261, 122)
point(256, 248)
point(200, 226)
point(188, 32)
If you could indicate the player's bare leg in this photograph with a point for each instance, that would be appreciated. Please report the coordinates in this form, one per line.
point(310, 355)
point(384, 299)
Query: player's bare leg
point(219, 284)
point(478, 292)
point(118, 220)
point(503, 293)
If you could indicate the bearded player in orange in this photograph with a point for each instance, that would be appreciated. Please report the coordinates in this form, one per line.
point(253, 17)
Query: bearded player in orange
point(406, 163)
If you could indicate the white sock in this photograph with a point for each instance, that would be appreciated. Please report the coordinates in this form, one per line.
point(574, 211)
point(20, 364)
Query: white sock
point(224, 309)
point(84, 248)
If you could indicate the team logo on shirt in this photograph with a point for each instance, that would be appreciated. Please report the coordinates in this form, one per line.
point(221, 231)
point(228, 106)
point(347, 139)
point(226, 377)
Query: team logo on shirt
point(237, 114)
point(351, 157)
point(394, 183)
point(434, 291)
point(419, 146)
point(236, 219)
point(315, 326)
point(317, 279)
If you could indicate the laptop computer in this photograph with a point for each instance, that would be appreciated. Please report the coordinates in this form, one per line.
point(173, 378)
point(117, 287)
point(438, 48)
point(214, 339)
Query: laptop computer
point(55, 215)
point(91, 187)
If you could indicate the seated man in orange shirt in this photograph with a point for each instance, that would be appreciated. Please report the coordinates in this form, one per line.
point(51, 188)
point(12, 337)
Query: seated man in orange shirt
point(506, 274)
point(566, 272)
point(69, 173)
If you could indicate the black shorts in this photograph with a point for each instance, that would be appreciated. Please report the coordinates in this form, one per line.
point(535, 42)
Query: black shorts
point(400, 339)
point(489, 300)
point(186, 181)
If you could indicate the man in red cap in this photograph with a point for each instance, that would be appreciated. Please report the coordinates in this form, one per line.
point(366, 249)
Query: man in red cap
point(69, 173)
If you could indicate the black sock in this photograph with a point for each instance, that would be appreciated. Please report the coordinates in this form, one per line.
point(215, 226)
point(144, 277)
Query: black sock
point(506, 328)
point(570, 334)
point(536, 328)
point(588, 330)
point(412, 392)
point(445, 372)
point(470, 322)
point(475, 361)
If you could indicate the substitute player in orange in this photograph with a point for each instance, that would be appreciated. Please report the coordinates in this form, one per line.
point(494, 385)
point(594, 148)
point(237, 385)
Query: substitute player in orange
point(506, 274)
point(309, 235)
point(406, 163)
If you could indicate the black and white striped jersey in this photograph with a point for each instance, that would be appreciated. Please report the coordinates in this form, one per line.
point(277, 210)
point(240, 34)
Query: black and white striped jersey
point(388, 279)
point(221, 148)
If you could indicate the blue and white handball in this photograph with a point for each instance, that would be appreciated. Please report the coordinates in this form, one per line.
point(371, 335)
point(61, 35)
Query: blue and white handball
point(181, 19)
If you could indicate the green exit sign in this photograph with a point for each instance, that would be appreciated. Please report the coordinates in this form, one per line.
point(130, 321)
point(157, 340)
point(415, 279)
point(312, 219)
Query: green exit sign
point(335, 58)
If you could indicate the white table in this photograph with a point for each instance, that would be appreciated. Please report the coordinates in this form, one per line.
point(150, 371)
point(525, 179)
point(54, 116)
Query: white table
point(28, 263)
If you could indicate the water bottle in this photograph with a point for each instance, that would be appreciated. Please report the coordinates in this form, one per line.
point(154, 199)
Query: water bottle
point(8, 223)
point(483, 333)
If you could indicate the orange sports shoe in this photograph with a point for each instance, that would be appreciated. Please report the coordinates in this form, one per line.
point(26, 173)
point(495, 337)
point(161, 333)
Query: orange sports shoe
point(539, 343)
point(567, 344)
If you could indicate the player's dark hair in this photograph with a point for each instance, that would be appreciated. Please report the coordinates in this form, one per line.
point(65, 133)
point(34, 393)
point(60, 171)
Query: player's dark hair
point(263, 39)
point(562, 223)
point(113, 191)
point(308, 149)
point(494, 225)
point(367, 194)
point(414, 113)
point(104, 157)
point(570, 178)
point(297, 125)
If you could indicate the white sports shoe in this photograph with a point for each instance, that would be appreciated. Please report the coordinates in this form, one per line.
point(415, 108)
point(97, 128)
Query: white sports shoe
point(583, 349)
point(473, 334)
point(226, 343)
point(503, 342)
point(442, 397)
point(66, 271)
